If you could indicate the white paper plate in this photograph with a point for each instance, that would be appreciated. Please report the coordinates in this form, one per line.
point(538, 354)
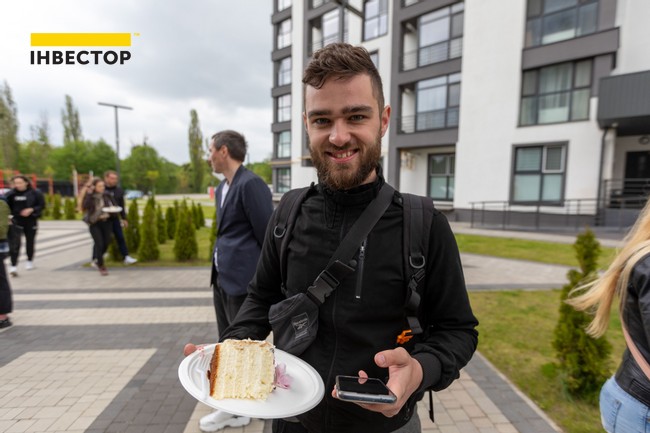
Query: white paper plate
point(305, 392)
point(112, 209)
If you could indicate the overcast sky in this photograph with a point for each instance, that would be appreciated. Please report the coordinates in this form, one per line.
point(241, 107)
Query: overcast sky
point(209, 55)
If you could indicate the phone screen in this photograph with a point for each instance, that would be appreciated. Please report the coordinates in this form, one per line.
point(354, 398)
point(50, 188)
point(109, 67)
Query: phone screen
point(369, 390)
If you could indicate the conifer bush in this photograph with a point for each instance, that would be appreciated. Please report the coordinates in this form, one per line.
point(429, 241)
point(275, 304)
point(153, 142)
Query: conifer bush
point(114, 251)
point(199, 208)
point(132, 231)
point(213, 236)
point(57, 212)
point(148, 250)
point(582, 359)
point(162, 225)
point(195, 216)
point(170, 219)
point(185, 243)
point(70, 209)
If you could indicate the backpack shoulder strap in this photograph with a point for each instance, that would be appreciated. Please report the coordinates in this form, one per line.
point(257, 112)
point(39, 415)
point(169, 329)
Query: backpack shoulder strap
point(418, 217)
point(285, 217)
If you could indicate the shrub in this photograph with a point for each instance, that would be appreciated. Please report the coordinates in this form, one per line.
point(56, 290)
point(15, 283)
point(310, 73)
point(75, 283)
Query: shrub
point(56, 207)
point(185, 244)
point(162, 225)
point(199, 208)
point(114, 251)
point(582, 359)
point(195, 216)
point(132, 231)
point(170, 218)
point(213, 237)
point(148, 250)
point(70, 209)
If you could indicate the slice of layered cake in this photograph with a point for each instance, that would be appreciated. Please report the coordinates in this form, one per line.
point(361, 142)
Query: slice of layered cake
point(243, 369)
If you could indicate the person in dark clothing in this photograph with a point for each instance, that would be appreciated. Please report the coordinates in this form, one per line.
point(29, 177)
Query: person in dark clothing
point(95, 199)
point(111, 180)
point(359, 323)
point(27, 204)
point(6, 300)
point(243, 205)
point(625, 397)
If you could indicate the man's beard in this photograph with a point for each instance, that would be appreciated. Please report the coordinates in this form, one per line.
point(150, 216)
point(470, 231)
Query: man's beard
point(340, 176)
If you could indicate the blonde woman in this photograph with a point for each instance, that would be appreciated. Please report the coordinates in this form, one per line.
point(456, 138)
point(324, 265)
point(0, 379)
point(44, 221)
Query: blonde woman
point(625, 397)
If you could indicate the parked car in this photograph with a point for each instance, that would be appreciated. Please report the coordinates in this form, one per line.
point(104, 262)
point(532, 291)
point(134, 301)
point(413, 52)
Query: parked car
point(132, 194)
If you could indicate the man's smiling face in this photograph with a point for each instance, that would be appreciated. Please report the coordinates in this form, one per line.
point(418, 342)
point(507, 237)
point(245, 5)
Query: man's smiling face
point(345, 128)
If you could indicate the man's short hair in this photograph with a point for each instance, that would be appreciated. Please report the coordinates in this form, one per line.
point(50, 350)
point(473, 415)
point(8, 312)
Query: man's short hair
point(234, 142)
point(340, 60)
point(110, 172)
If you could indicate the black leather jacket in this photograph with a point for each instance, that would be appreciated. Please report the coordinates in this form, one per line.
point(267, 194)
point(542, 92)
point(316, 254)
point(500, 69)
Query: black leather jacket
point(636, 314)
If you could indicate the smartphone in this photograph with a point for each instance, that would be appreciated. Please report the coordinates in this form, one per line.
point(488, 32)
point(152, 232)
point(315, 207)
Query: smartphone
point(370, 390)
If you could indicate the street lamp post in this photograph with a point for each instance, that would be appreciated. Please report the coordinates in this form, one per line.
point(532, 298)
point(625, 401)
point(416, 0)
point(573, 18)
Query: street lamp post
point(117, 136)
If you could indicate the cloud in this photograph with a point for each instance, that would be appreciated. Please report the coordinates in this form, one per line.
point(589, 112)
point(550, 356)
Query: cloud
point(208, 55)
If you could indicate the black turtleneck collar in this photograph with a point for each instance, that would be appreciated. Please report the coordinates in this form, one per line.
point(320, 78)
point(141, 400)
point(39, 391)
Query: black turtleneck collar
point(359, 195)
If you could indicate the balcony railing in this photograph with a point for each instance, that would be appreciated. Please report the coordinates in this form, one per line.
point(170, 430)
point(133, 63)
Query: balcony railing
point(317, 45)
point(431, 54)
point(429, 120)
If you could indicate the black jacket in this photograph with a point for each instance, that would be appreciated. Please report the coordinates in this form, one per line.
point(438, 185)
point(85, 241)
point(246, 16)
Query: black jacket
point(636, 314)
point(19, 200)
point(118, 198)
point(365, 314)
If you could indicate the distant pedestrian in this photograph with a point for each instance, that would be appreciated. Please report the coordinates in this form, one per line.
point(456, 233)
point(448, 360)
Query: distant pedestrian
point(26, 204)
point(111, 180)
point(95, 200)
point(6, 302)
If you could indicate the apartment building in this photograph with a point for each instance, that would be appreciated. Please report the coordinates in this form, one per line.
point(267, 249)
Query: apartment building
point(504, 112)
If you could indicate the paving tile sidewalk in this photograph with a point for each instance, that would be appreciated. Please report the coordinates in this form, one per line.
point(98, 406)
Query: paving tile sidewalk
point(100, 354)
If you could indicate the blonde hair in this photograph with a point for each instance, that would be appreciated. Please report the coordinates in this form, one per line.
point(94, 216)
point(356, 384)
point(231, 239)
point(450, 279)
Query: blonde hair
point(597, 296)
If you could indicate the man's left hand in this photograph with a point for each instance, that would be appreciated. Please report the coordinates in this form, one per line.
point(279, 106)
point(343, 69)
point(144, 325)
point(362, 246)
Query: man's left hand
point(404, 378)
point(26, 212)
point(125, 223)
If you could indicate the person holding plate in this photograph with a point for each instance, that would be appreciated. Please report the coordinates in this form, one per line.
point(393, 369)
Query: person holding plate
point(362, 325)
point(94, 204)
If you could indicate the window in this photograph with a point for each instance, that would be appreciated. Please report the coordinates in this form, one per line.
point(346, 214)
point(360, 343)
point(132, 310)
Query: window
point(282, 180)
point(438, 101)
point(283, 145)
point(374, 56)
point(375, 21)
point(441, 176)
point(284, 72)
point(284, 34)
point(557, 93)
point(539, 174)
point(327, 29)
point(441, 35)
point(558, 20)
point(283, 4)
point(284, 108)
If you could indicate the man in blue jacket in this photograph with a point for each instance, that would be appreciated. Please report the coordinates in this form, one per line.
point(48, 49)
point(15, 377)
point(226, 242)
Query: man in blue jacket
point(244, 206)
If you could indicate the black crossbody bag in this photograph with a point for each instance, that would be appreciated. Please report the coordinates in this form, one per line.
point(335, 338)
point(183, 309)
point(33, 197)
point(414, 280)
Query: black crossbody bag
point(295, 320)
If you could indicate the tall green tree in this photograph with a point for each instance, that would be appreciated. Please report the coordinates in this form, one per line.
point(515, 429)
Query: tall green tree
point(8, 128)
point(142, 160)
point(262, 169)
point(70, 121)
point(197, 156)
point(84, 156)
point(185, 244)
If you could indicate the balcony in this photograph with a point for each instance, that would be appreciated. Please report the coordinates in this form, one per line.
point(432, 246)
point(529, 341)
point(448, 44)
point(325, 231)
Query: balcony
point(429, 120)
point(432, 54)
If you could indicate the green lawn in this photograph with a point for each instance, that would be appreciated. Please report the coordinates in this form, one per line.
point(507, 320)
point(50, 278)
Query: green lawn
point(508, 320)
point(538, 251)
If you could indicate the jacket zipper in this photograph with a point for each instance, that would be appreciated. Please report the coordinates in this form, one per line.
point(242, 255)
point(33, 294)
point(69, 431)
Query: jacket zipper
point(362, 257)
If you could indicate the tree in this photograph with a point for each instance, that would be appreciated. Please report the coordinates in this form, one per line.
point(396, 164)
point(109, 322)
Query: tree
point(201, 215)
point(197, 159)
point(41, 131)
point(84, 156)
point(56, 207)
point(185, 243)
point(132, 231)
point(8, 128)
point(162, 225)
point(262, 169)
point(70, 209)
point(582, 358)
point(71, 124)
point(148, 250)
point(170, 219)
point(142, 159)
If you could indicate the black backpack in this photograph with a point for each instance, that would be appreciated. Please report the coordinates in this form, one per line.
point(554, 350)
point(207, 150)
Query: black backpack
point(418, 215)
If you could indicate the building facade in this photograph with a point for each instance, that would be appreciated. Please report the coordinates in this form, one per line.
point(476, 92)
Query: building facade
point(509, 112)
